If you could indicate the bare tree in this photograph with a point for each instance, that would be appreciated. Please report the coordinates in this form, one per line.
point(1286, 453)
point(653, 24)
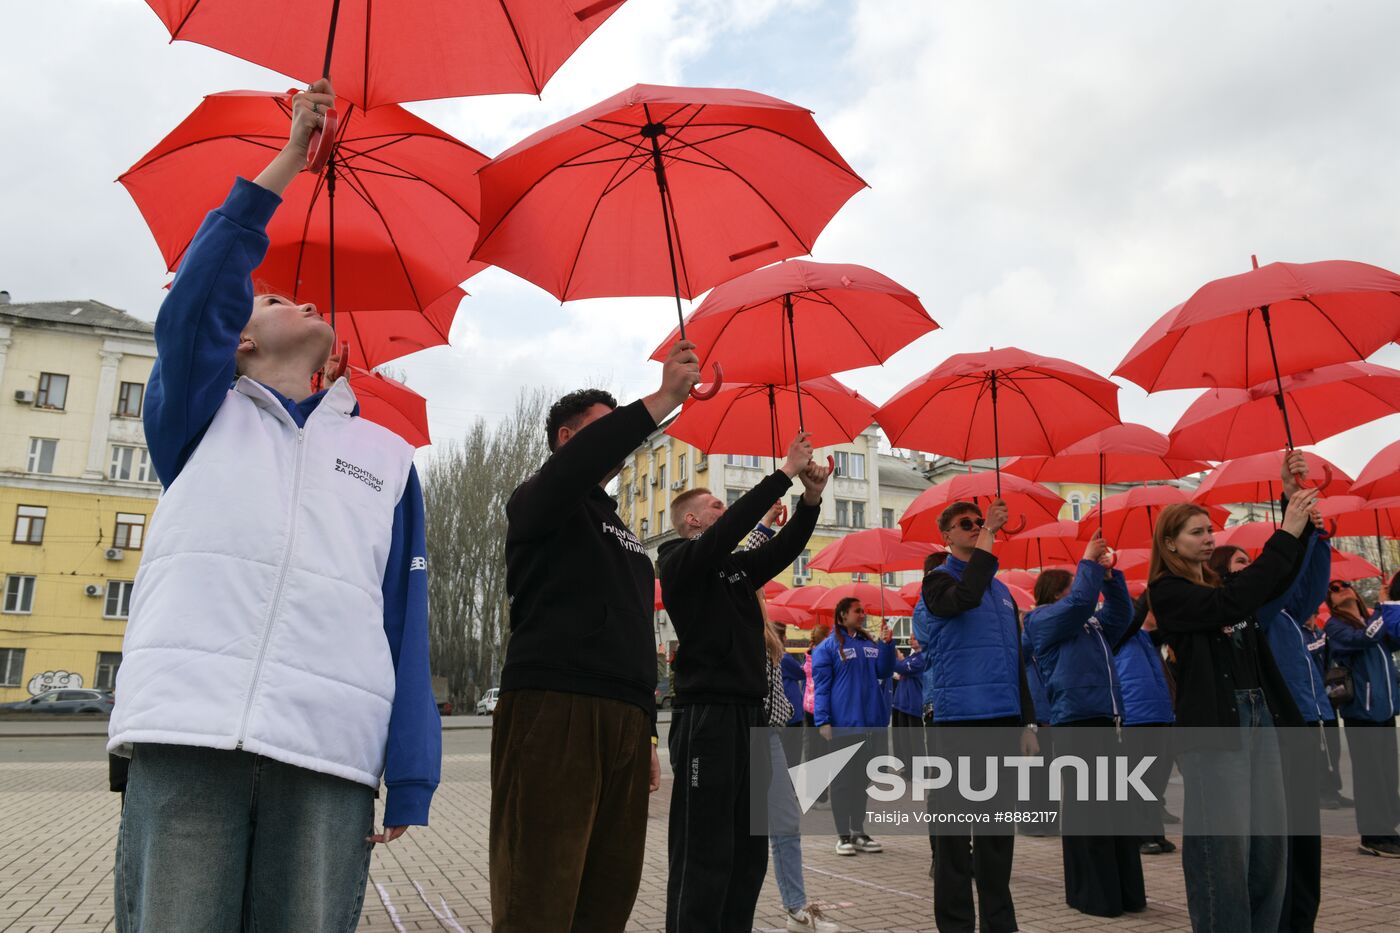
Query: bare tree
point(465, 488)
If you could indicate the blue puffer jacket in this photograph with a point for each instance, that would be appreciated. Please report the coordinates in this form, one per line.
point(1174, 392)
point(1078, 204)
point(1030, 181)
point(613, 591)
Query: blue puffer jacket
point(1282, 621)
point(975, 671)
point(794, 685)
point(909, 689)
point(1366, 653)
point(1035, 683)
point(1072, 645)
point(1146, 696)
point(846, 690)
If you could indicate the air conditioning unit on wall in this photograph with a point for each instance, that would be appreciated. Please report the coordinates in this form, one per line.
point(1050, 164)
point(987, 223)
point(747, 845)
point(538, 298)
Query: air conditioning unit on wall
point(92, 589)
point(678, 484)
point(114, 553)
point(24, 396)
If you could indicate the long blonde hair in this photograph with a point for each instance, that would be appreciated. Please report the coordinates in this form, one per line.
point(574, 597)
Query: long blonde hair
point(1166, 561)
point(771, 641)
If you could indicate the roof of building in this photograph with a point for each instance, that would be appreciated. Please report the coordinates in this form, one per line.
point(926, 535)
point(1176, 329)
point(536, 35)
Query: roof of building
point(86, 312)
point(898, 473)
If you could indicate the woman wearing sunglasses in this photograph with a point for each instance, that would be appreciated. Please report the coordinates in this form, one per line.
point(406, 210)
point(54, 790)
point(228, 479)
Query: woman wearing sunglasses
point(1362, 641)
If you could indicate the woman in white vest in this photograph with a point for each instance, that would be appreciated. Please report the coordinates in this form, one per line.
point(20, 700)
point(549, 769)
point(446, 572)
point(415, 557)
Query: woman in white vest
point(275, 665)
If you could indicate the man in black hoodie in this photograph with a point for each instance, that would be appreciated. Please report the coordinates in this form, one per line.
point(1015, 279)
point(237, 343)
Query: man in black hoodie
point(573, 744)
point(716, 864)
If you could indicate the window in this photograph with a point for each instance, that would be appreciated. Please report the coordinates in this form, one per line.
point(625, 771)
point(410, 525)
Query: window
point(801, 573)
point(843, 512)
point(53, 391)
point(857, 514)
point(849, 465)
point(888, 579)
point(661, 519)
point(118, 599)
point(661, 475)
point(19, 594)
point(11, 667)
point(681, 475)
point(642, 488)
point(107, 664)
point(131, 527)
point(887, 518)
point(1076, 505)
point(42, 451)
point(129, 400)
point(731, 496)
point(737, 460)
point(29, 524)
point(131, 463)
point(702, 460)
point(858, 577)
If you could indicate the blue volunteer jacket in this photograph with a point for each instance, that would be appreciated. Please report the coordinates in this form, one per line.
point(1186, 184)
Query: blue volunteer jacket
point(1366, 652)
point(794, 685)
point(846, 689)
point(1072, 645)
point(1282, 621)
point(197, 333)
point(909, 689)
point(1146, 696)
point(975, 667)
point(1035, 682)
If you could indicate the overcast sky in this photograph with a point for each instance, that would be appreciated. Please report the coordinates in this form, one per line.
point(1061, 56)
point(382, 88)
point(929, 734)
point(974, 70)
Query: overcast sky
point(1047, 174)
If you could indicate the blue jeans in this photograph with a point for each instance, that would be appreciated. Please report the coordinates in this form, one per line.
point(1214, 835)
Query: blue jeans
point(226, 841)
point(783, 833)
point(1235, 876)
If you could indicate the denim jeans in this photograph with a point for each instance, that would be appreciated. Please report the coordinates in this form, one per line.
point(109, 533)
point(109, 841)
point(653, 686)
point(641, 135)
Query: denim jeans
point(1235, 875)
point(228, 841)
point(784, 836)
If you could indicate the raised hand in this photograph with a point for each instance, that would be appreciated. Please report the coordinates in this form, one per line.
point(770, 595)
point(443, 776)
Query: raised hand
point(799, 455)
point(997, 516)
point(1293, 471)
point(679, 374)
point(309, 114)
point(814, 478)
point(1301, 510)
point(1097, 550)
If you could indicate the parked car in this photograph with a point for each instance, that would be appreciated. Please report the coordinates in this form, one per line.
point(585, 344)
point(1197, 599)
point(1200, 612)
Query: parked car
point(664, 700)
point(66, 701)
point(486, 706)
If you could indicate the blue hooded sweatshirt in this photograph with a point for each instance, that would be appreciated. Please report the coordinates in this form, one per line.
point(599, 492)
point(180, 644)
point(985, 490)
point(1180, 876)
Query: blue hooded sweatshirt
point(1366, 652)
point(909, 689)
point(846, 689)
point(1146, 697)
point(1282, 621)
point(794, 685)
point(1073, 642)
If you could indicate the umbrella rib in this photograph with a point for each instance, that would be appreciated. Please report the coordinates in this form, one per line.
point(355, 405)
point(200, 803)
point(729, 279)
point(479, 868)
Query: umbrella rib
point(1328, 317)
point(583, 237)
point(796, 142)
point(758, 194)
point(524, 57)
point(680, 250)
point(873, 352)
point(1044, 432)
point(393, 242)
point(305, 225)
point(413, 176)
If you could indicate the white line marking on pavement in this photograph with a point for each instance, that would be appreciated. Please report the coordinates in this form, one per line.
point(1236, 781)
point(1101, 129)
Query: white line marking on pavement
point(446, 916)
point(389, 907)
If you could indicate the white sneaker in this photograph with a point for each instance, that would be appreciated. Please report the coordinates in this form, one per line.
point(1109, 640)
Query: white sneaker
point(864, 843)
point(844, 846)
point(810, 920)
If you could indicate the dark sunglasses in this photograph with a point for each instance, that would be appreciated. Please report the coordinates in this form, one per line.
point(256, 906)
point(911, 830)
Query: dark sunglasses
point(967, 524)
point(1336, 586)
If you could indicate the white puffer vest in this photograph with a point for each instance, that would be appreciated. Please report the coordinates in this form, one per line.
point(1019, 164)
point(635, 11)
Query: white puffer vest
point(257, 620)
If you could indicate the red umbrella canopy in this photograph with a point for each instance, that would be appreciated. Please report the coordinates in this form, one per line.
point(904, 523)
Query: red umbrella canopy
point(762, 419)
point(406, 200)
point(1256, 479)
point(1019, 578)
point(1125, 453)
point(1038, 504)
point(1134, 561)
point(877, 600)
point(800, 597)
point(1249, 536)
point(1380, 478)
point(1042, 405)
point(1226, 423)
point(789, 615)
point(839, 316)
point(392, 404)
point(876, 550)
point(396, 52)
point(911, 592)
point(1024, 599)
point(1042, 546)
point(376, 337)
point(1357, 517)
point(1319, 312)
point(1129, 517)
point(1136, 588)
point(1348, 566)
point(657, 604)
point(750, 179)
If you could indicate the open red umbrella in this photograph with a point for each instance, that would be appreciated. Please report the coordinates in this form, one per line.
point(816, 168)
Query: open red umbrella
point(1256, 479)
point(1018, 578)
point(376, 337)
point(1348, 566)
point(911, 592)
point(997, 403)
point(1227, 423)
point(394, 52)
point(832, 317)
point(1034, 503)
point(761, 419)
point(391, 403)
point(1354, 517)
point(800, 597)
point(1042, 546)
point(790, 615)
point(1024, 598)
point(1127, 519)
point(1380, 477)
point(875, 550)
point(877, 600)
point(1249, 536)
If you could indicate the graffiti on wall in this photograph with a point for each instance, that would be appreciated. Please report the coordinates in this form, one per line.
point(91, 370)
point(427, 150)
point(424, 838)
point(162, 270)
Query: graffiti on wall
point(54, 680)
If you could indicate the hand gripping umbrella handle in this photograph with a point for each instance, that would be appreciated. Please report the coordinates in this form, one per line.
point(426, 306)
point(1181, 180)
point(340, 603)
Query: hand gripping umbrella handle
point(701, 395)
point(1112, 558)
point(781, 518)
point(1020, 527)
point(1330, 531)
point(322, 141)
point(344, 361)
point(831, 466)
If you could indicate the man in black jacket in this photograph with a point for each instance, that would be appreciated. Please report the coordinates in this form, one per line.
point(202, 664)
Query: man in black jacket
point(573, 750)
point(716, 864)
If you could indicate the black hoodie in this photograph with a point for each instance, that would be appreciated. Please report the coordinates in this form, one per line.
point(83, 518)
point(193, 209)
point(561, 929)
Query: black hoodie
point(709, 592)
point(580, 583)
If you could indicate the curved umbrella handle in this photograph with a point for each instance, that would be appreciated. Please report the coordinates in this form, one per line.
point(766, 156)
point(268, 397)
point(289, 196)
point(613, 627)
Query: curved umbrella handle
point(700, 394)
point(1007, 529)
point(322, 141)
point(1330, 531)
point(781, 518)
point(1112, 558)
point(1321, 484)
point(831, 466)
point(343, 363)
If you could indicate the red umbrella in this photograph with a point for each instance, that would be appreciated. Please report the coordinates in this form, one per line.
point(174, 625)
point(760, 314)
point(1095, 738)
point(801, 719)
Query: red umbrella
point(1127, 519)
point(657, 604)
point(1256, 479)
point(800, 597)
point(1380, 478)
point(1133, 562)
point(1226, 423)
point(1348, 566)
point(999, 402)
point(1034, 503)
point(392, 404)
point(401, 228)
point(396, 52)
point(376, 337)
point(1136, 588)
point(876, 550)
point(1042, 546)
point(1249, 536)
point(1023, 579)
point(773, 588)
point(911, 592)
point(761, 419)
point(878, 600)
point(1352, 516)
point(832, 317)
point(1024, 599)
point(1120, 453)
point(789, 615)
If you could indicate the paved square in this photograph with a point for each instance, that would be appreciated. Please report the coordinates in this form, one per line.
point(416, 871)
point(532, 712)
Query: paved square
point(61, 822)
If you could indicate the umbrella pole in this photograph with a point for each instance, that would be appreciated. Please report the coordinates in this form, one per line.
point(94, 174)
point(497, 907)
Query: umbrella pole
point(773, 425)
point(1101, 459)
point(996, 435)
point(330, 207)
point(796, 377)
point(653, 132)
point(1278, 379)
point(330, 38)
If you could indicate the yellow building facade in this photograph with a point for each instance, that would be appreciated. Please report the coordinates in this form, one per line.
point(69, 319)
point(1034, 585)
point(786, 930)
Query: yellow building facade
point(77, 490)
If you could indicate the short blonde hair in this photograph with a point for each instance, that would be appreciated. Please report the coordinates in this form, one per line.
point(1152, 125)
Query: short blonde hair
point(680, 504)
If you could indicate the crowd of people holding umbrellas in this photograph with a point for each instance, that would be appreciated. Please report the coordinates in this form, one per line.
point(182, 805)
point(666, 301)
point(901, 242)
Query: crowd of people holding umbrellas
point(369, 217)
